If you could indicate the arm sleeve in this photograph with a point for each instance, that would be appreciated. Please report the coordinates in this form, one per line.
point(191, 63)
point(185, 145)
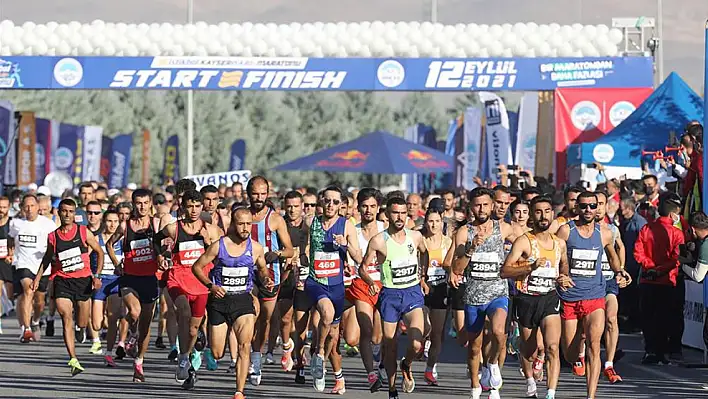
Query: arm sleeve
point(697, 273)
point(639, 252)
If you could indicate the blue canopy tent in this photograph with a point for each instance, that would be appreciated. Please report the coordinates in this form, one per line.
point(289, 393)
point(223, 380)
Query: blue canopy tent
point(668, 109)
point(377, 152)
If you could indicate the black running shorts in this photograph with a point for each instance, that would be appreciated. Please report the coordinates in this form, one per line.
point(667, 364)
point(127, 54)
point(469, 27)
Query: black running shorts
point(73, 289)
point(229, 308)
point(437, 297)
point(532, 309)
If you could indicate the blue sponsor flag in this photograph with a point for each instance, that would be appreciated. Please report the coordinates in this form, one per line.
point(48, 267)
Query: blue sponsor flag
point(7, 123)
point(106, 152)
point(67, 148)
point(42, 148)
point(170, 168)
point(513, 132)
point(238, 155)
point(120, 160)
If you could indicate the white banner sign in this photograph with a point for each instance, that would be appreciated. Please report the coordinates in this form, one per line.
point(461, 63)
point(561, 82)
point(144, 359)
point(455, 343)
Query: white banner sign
point(498, 141)
point(93, 139)
point(216, 179)
point(693, 313)
point(526, 137)
point(468, 158)
point(53, 144)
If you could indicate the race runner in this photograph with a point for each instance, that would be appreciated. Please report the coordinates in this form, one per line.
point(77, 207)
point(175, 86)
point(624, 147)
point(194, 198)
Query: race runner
point(270, 230)
point(106, 298)
point(230, 304)
point(331, 237)
point(191, 236)
point(67, 252)
point(582, 288)
point(368, 316)
point(611, 291)
point(534, 262)
point(479, 253)
point(28, 244)
point(5, 256)
point(402, 296)
point(436, 301)
point(138, 281)
point(210, 196)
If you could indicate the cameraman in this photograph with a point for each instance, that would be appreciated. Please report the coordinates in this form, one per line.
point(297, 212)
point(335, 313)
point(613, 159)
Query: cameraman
point(695, 261)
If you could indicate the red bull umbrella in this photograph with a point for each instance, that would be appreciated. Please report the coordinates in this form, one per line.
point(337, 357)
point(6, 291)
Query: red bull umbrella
point(377, 152)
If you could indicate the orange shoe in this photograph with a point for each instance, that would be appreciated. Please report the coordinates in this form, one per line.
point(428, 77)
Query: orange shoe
point(612, 375)
point(286, 361)
point(579, 367)
point(27, 336)
point(339, 388)
point(238, 395)
point(430, 379)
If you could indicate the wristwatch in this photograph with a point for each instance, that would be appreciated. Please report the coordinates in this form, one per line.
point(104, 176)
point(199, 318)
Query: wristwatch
point(209, 286)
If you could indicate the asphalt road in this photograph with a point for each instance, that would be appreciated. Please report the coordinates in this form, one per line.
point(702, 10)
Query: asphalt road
point(39, 370)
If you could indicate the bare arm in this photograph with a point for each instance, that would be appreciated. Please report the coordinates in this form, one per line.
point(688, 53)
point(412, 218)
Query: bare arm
point(376, 245)
point(460, 259)
point(46, 260)
point(111, 242)
point(353, 242)
point(206, 258)
point(511, 268)
point(283, 237)
point(612, 257)
point(263, 274)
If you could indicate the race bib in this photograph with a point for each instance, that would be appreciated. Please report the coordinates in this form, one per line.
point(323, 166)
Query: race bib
point(71, 260)
point(404, 271)
point(582, 262)
point(190, 251)
point(436, 274)
point(327, 264)
point(234, 280)
point(142, 250)
point(607, 272)
point(543, 279)
point(108, 266)
point(374, 272)
point(27, 241)
point(3, 248)
point(484, 266)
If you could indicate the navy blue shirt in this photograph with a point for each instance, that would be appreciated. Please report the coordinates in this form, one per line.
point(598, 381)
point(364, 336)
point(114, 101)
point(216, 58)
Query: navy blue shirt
point(629, 229)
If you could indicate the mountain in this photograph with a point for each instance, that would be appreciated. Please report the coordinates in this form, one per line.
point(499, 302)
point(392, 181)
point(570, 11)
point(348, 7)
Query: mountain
point(683, 25)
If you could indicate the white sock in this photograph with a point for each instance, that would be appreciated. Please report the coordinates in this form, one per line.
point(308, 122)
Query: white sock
point(608, 365)
point(530, 381)
point(493, 367)
point(97, 339)
point(552, 392)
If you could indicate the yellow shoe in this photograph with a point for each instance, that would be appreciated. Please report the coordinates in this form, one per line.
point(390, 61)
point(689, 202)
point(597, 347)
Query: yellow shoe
point(96, 348)
point(76, 367)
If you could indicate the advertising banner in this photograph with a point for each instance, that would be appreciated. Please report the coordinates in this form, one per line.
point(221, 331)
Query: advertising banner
point(26, 139)
point(468, 154)
point(8, 167)
point(498, 139)
point(106, 154)
point(584, 115)
point(526, 132)
point(228, 178)
point(120, 160)
point(92, 147)
point(170, 167)
point(43, 147)
point(300, 73)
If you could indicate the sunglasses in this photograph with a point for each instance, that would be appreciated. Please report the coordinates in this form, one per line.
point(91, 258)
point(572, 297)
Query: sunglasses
point(310, 204)
point(331, 201)
point(586, 206)
point(94, 212)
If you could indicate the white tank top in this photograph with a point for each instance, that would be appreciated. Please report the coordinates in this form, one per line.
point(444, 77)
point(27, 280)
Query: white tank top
point(374, 269)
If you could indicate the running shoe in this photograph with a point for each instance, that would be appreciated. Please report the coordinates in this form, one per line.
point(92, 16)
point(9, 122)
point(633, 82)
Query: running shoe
point(173, 355)
point(579, 367)
point(36, 331)
point(612, 375)
point(430, 378)
point(531, 389)
point(49, 331)
point(426, 350)
point(131, 347)
point(256, 364)
point(300, 375)
point(269, 361)
point(80, 335)
point(550, 396)
point(159, 344)
point(538, 369)
point(211, 363)
point(339, 388)
point(382, 372)
point(407, 383)
point(495, 378)
point(0, 324)
point(238, 395)
point(75, 366)
point(232, 368)
point(435, 371)
point(286, 361)
point(109, 362)
point(27, 336)
point(392, 394)
point(96, 348)
point(651, 359)
point(138, 375)
point(191, 380)
point(374, 382)
point(351, 351)
point(376, 349)
point(317, 372)
point(196, 359)
point(200, 343)
point(306, 354)
point(485, 376)
point(494, 394)
point(120, 352)
point(182, 372)
point(476, 393)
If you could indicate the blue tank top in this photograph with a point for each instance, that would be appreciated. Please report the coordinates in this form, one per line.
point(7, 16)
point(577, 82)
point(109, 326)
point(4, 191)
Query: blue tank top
point(108, 266)
point(234, 273)
point(585, 262)
point(262, 233)
point(327, 259)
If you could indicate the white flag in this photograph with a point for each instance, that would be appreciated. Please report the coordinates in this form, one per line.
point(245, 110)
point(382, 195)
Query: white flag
point(528, 127)
point(498, 141)
point(469, 157)
point(93, 141)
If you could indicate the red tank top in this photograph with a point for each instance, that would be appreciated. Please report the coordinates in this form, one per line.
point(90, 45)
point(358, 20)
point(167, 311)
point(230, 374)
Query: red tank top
point(185, 252)
point(71, 258)
point(139, 254)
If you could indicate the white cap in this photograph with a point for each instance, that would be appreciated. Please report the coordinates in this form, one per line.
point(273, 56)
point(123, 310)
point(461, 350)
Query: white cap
point(44, 190)
point(132, 186)
point(113, 192)
point(32, 187)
